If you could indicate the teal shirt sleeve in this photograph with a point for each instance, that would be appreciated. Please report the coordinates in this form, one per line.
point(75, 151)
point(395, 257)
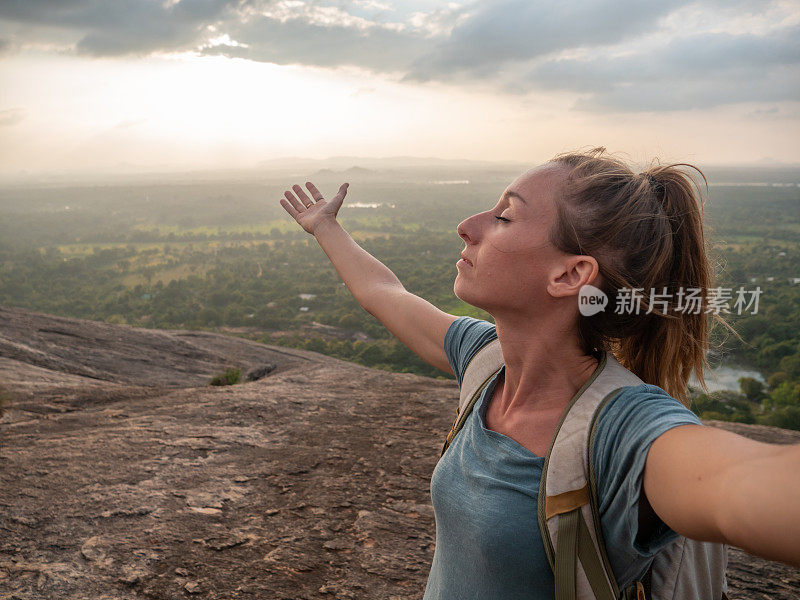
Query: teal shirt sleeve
point(464, 337)
point(626, 428)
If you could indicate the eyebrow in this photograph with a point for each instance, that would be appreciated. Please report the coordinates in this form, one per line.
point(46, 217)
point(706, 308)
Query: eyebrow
point(510, 194)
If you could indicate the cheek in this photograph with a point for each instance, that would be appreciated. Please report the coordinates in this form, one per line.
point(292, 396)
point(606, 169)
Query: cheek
point(506, 246)
point(513, 254)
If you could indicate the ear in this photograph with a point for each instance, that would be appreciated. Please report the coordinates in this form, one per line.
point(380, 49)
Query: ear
point(572, 275)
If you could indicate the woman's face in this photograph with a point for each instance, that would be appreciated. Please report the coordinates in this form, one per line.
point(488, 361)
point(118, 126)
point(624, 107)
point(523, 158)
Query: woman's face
point(508, 246)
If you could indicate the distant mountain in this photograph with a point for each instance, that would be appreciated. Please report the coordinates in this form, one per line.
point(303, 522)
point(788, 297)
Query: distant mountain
point(352, 171)
point(394, 162)
point(358, 171)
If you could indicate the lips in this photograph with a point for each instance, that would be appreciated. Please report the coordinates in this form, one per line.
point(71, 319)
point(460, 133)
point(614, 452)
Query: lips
point(466, 260)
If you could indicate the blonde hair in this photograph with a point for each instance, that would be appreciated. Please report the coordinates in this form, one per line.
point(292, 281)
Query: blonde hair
point(646, 231)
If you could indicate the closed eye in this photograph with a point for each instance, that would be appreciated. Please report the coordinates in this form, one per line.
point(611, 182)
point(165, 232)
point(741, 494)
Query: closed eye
point(503, 219)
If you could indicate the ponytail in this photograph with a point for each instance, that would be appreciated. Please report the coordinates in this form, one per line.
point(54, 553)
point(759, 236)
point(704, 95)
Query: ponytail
point(646, 233)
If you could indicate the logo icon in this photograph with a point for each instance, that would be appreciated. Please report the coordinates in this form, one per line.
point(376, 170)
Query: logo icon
point(591, 300)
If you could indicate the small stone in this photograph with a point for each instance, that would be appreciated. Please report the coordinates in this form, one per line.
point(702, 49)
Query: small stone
point(91, 550)
point(223, 543)
point(131, 577)
point(181, 572)
point(193, 587)
point(339, 544)
point(204, 510)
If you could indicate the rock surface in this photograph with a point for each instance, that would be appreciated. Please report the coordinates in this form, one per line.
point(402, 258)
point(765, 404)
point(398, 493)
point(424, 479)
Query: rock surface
point(124, 475)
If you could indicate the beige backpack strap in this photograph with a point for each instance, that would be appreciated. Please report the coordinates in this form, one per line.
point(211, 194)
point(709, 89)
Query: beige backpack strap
point(484, 365)
point(480, 369)
point(568, 514)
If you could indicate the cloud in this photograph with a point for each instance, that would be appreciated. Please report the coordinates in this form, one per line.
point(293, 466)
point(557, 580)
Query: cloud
point(299, 41)
point(12, 116)
point(698, 71)
point(773, 113)
point(363, 91)
point(632, 55)
point(115, 29)
point(497, 33)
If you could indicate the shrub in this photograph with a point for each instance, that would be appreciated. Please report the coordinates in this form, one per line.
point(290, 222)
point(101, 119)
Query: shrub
point(229, 377)
point(787, 417)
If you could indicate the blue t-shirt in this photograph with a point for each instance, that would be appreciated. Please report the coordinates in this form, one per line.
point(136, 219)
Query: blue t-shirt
point(485, 491)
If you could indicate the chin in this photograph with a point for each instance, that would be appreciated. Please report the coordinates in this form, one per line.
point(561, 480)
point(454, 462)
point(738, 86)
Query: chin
point(466, 297)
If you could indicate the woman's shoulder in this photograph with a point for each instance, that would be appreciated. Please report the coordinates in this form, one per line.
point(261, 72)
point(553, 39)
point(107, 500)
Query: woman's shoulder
point(464, 337)
point(642, 401)
point(637, 415)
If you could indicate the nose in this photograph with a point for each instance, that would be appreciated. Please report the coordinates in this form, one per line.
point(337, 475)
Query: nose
point(467, 229)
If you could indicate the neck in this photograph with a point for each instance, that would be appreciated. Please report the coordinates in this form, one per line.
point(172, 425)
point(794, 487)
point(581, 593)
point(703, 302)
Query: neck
point(545, 367)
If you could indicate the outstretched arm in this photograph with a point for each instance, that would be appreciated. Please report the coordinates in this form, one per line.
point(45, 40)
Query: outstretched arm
point(713, 485)
point(414, 321)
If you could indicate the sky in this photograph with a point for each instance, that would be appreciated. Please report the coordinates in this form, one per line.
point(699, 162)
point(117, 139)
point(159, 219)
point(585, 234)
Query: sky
point(163, 85)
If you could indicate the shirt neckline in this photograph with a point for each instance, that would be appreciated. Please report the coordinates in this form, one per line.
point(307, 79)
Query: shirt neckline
point(499, 438)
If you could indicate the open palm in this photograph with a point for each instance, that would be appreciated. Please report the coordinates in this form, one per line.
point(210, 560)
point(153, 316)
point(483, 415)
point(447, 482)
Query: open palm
point(310, 212)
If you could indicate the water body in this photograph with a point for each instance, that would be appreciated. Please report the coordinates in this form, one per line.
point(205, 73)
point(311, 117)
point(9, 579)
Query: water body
point(725, 378)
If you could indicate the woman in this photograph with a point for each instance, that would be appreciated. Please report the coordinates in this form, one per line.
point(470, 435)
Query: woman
point(581, 219)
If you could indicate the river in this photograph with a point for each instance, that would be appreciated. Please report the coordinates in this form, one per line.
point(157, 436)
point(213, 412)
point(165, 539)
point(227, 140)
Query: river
point(725, 378)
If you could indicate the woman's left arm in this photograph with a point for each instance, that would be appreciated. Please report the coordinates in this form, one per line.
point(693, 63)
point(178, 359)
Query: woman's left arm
point(712, 485)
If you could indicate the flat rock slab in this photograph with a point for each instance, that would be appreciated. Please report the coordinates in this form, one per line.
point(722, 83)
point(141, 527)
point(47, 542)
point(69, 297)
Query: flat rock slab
point(312, 482)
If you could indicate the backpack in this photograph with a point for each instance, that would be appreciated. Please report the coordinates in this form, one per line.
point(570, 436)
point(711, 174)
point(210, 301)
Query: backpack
point(569, 517)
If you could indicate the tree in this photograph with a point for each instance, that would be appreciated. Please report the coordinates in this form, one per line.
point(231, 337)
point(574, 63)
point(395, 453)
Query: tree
point(786, 394)
point(349, 322)
point(370, 355)
point(791, 366)
point(752, 388)
point(777, 378)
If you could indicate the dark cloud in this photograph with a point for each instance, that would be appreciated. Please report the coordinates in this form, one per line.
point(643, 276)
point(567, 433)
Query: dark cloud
point(518, 30)
point(699, 71)
point(119, 28)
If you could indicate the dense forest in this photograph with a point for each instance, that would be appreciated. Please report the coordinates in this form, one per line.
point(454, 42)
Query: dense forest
point(226, 257)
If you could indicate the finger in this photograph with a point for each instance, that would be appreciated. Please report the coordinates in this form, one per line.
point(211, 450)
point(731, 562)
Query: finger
point(289, 208)
point(298, 206)
point(302, 195)
point(315, 193)
point(342, 190)
point(338, 199)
